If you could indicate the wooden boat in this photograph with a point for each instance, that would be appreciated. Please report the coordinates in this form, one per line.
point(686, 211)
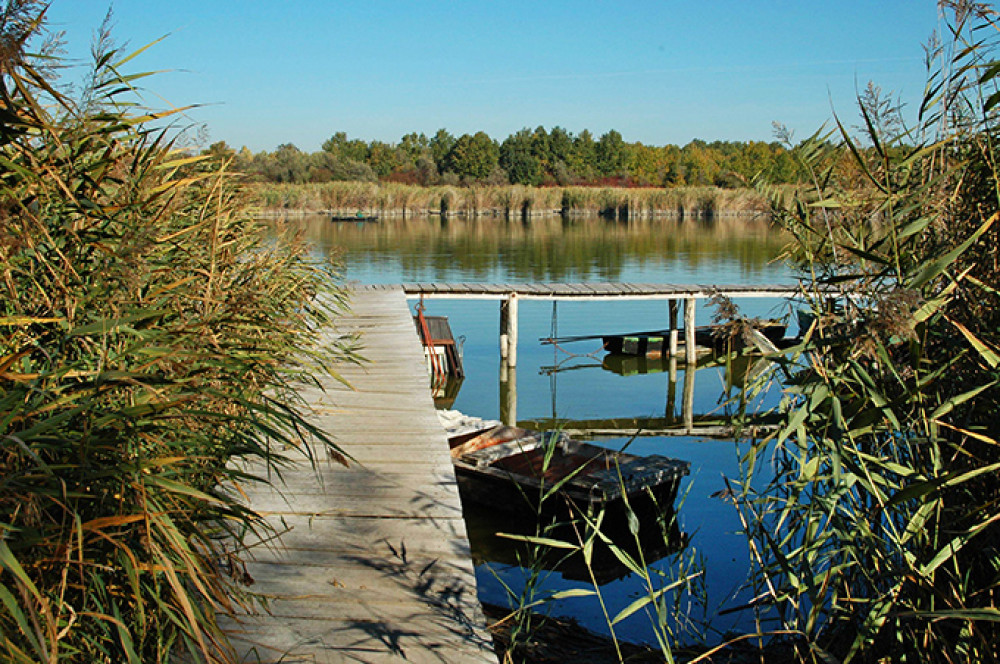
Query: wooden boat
point(508, 468)
point(656, 343)
point(354, 217)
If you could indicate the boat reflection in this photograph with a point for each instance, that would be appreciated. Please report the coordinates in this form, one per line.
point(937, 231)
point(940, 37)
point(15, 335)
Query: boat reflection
point(658, 536)
point(444, 391)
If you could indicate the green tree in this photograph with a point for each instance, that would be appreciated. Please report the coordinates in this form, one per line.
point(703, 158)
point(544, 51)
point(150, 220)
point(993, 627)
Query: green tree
point(611, 154)
point(584, 158)
point(383, 158)
point(414, 146)
point(441, 145)
point(219, 150)
point(344, 148)
point(473, 157)
point(287, 164)
point(518, 161)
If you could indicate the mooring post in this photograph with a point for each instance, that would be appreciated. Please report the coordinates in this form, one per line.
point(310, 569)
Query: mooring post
point(504, 341)
point(672, 390)
point(688, 405)
point(508, 394)
point(689, 306)
point(508, 330)
point(673, 328)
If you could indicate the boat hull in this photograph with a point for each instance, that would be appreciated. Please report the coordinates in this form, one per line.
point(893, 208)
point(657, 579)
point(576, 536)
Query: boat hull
point(656, 343)
point(511, 470)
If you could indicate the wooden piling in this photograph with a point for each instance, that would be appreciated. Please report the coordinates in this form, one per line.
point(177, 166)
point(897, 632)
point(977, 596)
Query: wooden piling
point(689, 344)
point(508, 394)
point(688, 402)
point(672, 304)
point(508, 330)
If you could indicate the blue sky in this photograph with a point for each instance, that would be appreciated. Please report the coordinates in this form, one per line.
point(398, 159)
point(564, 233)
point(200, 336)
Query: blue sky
point(269, 72)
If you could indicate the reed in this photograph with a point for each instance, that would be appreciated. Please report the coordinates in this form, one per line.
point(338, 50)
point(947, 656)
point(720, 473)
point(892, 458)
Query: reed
point(508, 201)
point(878, 539)
point(150, 339)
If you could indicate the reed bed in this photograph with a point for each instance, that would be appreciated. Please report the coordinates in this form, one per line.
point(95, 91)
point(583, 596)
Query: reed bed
point(151, 341)
point(508, 201)
point(878, 537)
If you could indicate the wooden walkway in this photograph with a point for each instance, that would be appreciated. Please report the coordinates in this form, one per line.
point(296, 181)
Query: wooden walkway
point(510, 294)
point(375, 566)
point(587, 290)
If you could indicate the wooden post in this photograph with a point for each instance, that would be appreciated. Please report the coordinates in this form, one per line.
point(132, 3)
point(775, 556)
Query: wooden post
point(688, 406)
point(508, 394)
point(689, 306)
point(504, 324)
point(508, 329)
point(673, 330)
point(672, 390)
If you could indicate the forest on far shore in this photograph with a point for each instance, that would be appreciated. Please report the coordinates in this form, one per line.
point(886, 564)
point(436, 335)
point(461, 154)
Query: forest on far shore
point(536, 157)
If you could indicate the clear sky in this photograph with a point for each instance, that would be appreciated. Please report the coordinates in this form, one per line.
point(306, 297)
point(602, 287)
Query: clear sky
point(270, 72)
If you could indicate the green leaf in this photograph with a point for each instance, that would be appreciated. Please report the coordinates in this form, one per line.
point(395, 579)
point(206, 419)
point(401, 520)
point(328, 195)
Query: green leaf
point(987, 614)
point(936, 267)
point(544, 541)
point(9, 562)
point(645, 600)
point(572, 592)
point(109, 325)
point(988, 354)
point(180, 488)
point(959, 399)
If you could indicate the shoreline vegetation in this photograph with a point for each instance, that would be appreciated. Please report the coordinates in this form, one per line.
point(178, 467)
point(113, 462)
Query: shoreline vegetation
point(390, 199)
point(153, 340)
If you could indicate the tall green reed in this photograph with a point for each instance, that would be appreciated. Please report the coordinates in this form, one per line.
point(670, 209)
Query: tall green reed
point(149, 337)
point(879, 536)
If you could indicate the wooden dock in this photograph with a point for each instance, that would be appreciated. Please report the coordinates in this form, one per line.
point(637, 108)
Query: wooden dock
point(587, 290)
point(375, 564)
point(681, 299)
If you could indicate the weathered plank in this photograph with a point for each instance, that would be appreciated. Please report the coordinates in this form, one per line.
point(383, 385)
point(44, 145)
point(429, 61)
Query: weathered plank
point(602, 290)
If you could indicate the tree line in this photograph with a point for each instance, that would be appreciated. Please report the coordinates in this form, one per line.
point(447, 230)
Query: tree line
point(536, 157)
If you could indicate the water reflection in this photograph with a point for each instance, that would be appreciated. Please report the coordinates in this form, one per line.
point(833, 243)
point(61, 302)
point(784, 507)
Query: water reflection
point(658, 535)
point(736, 372)
point(546, 249)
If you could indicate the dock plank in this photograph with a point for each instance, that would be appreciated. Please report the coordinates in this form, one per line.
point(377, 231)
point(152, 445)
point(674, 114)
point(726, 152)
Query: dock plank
point(373, 562)
point(601, 290)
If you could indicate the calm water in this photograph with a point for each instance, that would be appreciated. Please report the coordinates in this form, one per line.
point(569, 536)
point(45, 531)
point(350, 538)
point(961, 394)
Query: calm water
point(733, 251)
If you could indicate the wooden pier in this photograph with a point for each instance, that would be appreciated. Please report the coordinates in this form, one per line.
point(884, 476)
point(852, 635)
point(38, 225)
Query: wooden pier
point(678, 296)
point(374, 563)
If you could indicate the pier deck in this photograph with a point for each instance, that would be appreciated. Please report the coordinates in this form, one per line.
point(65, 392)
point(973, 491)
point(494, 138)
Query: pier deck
point(375, 564)
point(587, 290)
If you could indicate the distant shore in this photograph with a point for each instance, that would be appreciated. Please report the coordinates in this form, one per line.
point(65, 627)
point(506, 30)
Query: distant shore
point(505, 202)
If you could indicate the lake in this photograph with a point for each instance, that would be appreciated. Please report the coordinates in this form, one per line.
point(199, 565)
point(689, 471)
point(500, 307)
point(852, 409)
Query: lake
point(570, 382)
